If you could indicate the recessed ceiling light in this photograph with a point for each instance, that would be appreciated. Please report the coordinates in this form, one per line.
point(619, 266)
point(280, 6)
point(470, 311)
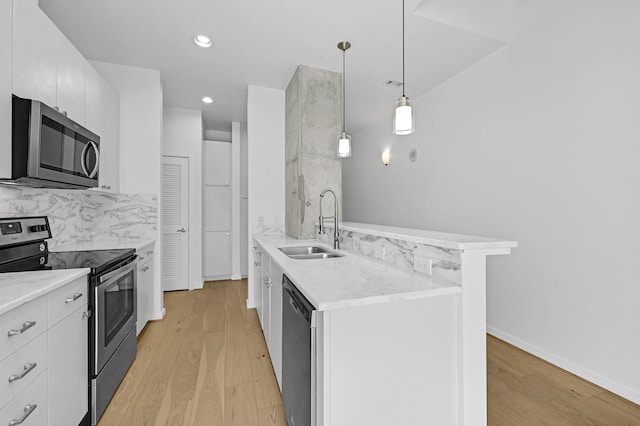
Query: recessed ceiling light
point(207, 100)
point(202, 41)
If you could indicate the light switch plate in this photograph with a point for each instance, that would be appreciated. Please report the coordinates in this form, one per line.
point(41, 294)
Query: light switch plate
point(422, 264)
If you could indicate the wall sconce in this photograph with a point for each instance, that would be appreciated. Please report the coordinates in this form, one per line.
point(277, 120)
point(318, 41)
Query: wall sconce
point(385, 157)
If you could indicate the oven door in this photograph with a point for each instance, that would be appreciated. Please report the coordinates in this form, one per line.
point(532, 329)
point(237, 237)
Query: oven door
point(114, 310)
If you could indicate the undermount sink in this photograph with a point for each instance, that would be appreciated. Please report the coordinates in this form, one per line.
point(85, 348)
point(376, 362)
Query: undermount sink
point(308, 252)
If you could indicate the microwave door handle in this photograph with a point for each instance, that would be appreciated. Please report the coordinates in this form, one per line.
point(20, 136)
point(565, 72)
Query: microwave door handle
point(83, 159)
point(97, 151)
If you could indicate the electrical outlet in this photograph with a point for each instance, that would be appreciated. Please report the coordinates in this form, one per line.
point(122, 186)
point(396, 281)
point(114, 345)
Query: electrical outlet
point(422, 264)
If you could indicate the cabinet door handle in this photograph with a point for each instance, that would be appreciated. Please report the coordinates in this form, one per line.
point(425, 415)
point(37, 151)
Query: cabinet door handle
point(149, 253)
point(27, 369)
point(181, 230)
point(73, 298)
point(25, 326)
point(28, 409)
point(106, 187)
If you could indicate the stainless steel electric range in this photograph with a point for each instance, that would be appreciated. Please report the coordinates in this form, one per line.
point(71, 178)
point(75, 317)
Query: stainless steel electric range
point(111, 287)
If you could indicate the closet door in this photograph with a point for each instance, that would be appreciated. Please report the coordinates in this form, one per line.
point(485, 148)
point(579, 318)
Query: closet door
point(175, 223)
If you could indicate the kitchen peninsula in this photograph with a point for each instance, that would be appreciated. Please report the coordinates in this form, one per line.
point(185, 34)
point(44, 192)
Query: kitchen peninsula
point(400, 322)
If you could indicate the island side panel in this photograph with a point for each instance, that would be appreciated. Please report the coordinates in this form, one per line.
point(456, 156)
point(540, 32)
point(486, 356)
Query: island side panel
point(472, 358)
point(391, 363)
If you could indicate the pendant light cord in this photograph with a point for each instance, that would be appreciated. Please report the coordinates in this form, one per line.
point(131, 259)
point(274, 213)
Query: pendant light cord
point(344, 106)
point(403, 48)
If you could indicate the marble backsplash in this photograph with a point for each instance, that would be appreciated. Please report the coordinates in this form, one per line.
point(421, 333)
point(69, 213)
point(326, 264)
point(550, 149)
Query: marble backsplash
point(443, 262)
point(77, 216)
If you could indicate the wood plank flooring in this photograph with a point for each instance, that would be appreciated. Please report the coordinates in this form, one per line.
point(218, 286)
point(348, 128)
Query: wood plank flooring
point(207, 364)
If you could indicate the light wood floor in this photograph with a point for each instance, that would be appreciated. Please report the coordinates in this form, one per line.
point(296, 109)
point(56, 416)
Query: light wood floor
point(206, 364)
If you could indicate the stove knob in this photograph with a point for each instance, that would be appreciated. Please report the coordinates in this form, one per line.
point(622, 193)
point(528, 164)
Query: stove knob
point(43, 260)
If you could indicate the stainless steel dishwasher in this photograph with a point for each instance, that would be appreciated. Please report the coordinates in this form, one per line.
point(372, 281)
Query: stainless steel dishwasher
point(298, 356)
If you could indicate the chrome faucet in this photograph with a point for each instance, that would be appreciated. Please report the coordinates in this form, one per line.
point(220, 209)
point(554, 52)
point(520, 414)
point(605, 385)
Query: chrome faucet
point(336, 233)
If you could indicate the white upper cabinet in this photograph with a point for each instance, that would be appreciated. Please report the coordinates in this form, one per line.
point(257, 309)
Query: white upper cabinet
point(102, 118)
point(5, 88)
point(46, 66)
point(217, 163)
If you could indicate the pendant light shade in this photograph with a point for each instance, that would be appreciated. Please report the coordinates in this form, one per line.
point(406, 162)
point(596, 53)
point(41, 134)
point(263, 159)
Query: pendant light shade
point(344, 140)
point(403, 111)
point(344, 145)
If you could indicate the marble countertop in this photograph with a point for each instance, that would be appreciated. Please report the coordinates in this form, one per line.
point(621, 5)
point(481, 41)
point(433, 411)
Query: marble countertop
point(17, 288)
point(352, 280)
point(433, 238)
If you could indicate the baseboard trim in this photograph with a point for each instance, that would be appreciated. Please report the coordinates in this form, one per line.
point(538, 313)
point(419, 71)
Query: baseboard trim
point(159, 315)
point(604, 382)
point(236, 277)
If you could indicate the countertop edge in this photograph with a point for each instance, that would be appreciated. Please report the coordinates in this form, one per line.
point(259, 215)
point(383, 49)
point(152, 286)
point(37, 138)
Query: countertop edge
point(435, 238)
point(49, 284)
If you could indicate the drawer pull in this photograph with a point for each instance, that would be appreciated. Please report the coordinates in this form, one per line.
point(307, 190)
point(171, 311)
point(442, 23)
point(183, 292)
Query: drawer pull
point(28, 409)
point(27, 369)
point(73, 298)
point(25, 326)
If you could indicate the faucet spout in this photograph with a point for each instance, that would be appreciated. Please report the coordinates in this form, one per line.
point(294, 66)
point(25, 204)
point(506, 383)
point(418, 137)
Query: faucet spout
point(336, 232)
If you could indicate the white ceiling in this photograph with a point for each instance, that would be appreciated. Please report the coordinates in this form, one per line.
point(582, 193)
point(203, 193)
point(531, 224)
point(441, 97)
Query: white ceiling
point(259, 42)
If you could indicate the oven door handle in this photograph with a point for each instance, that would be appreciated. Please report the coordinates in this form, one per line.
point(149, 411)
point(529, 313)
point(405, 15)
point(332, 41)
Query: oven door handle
point(113, 275)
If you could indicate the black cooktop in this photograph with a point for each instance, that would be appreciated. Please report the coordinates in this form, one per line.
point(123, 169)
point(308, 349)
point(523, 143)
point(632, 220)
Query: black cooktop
point(97, 260)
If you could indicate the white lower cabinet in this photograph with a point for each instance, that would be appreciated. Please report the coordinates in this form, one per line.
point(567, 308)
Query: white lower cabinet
point(68, 394)
point(217, 260)
point(275, 322)
point(268, 295)
point(257, 276)
point(44, 359)
point(144, 288)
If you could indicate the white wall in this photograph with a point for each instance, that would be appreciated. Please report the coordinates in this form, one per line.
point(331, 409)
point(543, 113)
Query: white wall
point(6, 27)
point(236, 214)
point(140, 92)
point(182, 137)
point(538, 143)
point(217, 135)
point(265, 130)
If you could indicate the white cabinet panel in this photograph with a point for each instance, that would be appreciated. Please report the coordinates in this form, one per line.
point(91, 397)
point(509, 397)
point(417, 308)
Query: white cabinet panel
point(6, 16)
point(217, 208)
point(218, 254)
point(35, 41)
point(257, 275)
point(275, 322)
point(144, 297)
point(102, 117)
point(70, 80)
point(68, 366)
point(217, 163)
point(46, 66)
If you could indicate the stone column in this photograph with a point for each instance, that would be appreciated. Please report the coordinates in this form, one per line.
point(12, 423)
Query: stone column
point(312, 125)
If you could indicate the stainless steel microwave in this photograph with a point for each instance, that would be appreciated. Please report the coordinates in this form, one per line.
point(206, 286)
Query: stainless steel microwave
point(51, 150)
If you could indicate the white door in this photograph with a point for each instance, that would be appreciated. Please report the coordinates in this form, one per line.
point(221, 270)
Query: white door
point(175, 223)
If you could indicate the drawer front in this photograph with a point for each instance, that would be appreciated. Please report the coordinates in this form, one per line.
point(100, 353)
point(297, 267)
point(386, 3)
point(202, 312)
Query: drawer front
point(22, 367)
point(145, 254)
point(65, 300)
point(21, 325)
point(30, 404)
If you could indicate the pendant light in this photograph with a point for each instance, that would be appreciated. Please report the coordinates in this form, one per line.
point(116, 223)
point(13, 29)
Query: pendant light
point(344, 140)
point(403, 111)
